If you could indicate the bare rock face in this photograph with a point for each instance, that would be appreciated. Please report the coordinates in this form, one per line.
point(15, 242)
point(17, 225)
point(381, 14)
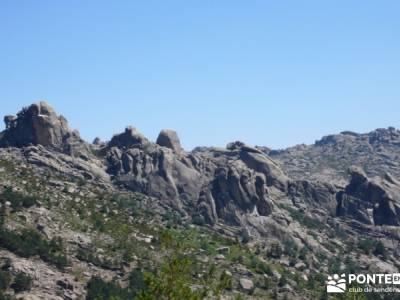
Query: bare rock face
point(371, 201)
point(308, 194)
point(169, 138)
point(210, 182)
point(156, 171)
point(242, 180)
point(131, 137)
point(38, 124)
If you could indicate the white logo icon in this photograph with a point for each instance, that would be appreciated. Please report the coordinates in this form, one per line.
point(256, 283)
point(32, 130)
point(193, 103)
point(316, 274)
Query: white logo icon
point(336, 284)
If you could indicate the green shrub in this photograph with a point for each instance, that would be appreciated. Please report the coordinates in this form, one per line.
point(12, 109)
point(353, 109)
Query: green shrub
point(283, 280)
point(29, 243)
point(4, 297)
point(16, 199)
point(303, 219)
point(173, 218)
point(137, 282)
point(245, 237)
point(89, 256)
point(5, 280)
point(198, 220)
point(22, 282)
point(315, 281)
point(259, 266)
point(290, 248)
point(334, 266)
point(366, 245)
point(225, 282)
point(351, 266)
point(369, 246)
point(172, 281)
point(97, 289)
point(379, 249)
point(303, 253)
point(275, 251)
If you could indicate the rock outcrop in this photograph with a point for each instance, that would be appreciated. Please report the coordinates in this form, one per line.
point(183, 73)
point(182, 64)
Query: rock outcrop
point(217, 183)
point(370, 201)
point(377, 152)
point(213, 184)
point(131, 137)
point(38, 124)
point(149, 168)
point(276, 209)
point(169, 138)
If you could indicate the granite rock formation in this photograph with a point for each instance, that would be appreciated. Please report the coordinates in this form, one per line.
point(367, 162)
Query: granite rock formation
point(298, 208)
point(38, 124)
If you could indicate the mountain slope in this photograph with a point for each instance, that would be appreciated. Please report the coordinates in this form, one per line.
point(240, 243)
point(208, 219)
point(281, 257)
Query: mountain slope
point(377, 153)
point(134, 219)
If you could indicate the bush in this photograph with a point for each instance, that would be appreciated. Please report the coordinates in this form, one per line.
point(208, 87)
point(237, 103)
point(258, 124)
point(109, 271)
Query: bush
point(351, 266)
point(5, 280)
point(283, 280)
point(379, 249)
point(225, 282)
point(198, 220)
point(290, 248)
point(22, 282)
point(370, 246)
point(97, 289)
point(245, 236)
point(89, 256)
point(137, 282)
point(172, 281)
point(303, 253)
point(4, 297)
point(16, 199)
point(303, 219)
point(315, 281)
point(259, 266)
point(366, 245)
point(29, 243)
point(275, 251)
point(334, 266)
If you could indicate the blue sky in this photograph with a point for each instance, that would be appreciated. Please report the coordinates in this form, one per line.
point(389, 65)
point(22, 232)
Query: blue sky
point(273, 73)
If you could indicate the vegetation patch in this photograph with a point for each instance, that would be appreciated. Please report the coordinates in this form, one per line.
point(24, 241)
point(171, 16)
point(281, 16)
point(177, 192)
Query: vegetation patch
point(17, 200)
point(29, 243)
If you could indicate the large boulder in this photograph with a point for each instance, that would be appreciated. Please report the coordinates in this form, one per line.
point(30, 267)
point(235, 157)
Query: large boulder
point(169, 138)
point(130, 137)
point(246, 284)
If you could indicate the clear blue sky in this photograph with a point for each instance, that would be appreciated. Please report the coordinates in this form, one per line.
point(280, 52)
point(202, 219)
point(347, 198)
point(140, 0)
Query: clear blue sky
point(274, 73)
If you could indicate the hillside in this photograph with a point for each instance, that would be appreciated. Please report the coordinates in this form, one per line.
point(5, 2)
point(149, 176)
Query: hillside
point(377, 153)
point(136, 219)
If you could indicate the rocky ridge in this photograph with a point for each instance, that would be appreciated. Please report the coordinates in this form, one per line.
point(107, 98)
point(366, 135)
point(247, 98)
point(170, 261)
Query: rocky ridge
point(281, 205)
point(328, 159)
